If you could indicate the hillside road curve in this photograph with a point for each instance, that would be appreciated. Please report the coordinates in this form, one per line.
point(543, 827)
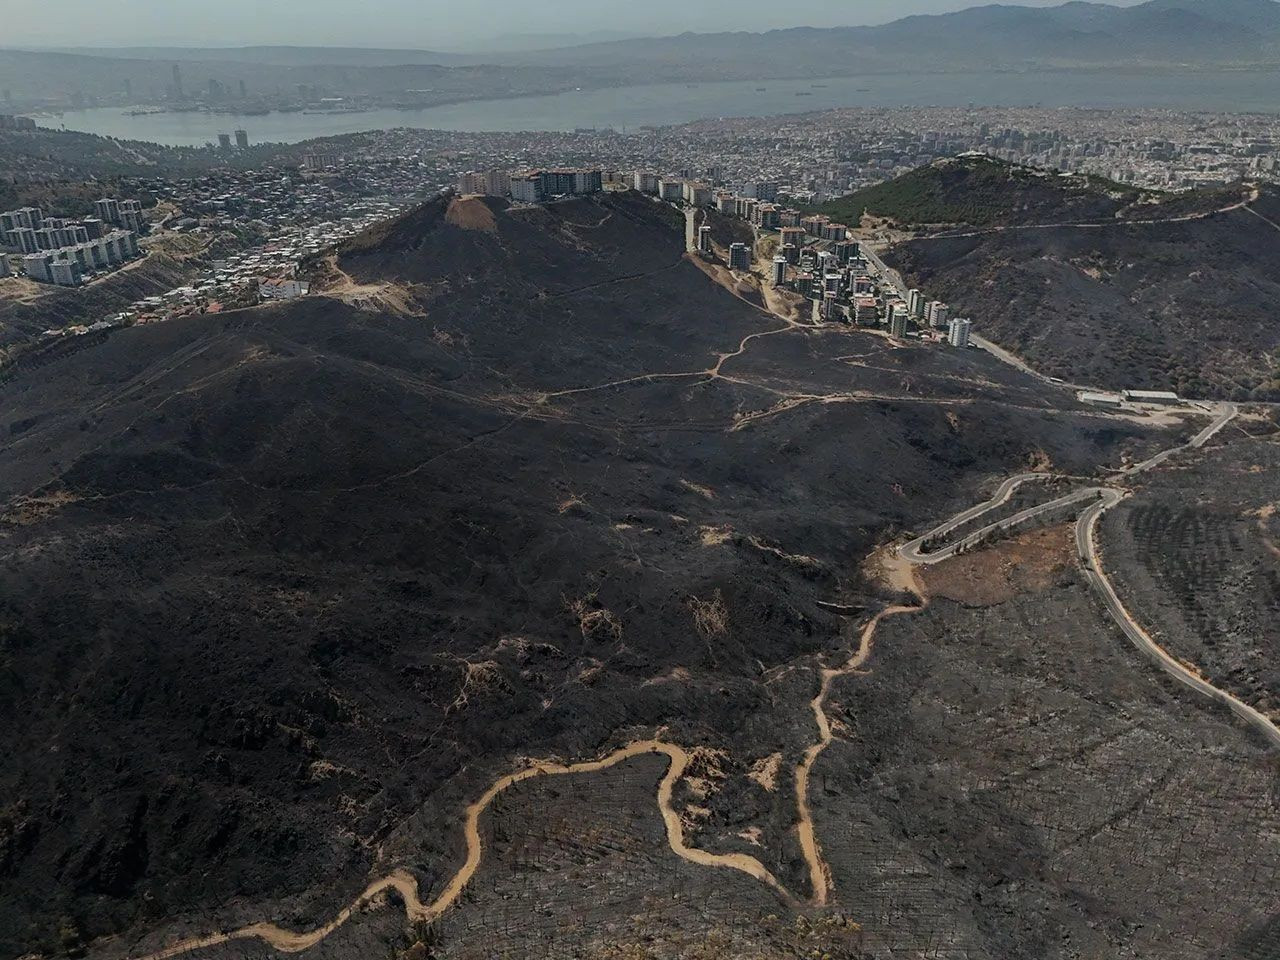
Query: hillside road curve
point(1086, 544)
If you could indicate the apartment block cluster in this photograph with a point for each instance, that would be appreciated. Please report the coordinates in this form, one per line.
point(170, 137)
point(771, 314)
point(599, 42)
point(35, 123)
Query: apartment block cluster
point(927, 315)
point(817, 259)
point(755, 202)
point(65, 252)
point(533, 186)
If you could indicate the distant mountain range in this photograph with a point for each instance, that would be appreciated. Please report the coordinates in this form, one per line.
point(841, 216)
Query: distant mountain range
point(1158, 34)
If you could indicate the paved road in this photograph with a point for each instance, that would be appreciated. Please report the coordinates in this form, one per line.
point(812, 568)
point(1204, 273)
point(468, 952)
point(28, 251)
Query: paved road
point(1086, 544)
point(1086, 547)
point(912, 551)
point(691, 229)
point(1226, 413)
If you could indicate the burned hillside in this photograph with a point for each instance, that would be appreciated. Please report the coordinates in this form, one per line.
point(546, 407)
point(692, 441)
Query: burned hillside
point(1180, 303)
point(282, 590)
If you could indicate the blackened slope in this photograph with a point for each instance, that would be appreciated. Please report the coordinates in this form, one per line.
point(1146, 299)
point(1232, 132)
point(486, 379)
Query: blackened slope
point(557, 297)
point(551, 248)
point(1186, 306)
point(283, 588)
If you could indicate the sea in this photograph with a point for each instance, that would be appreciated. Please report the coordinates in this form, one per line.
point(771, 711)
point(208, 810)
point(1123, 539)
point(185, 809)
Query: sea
point(628, 109)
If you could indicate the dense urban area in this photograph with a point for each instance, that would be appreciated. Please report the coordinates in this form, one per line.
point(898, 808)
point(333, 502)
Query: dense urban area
point(261, 213)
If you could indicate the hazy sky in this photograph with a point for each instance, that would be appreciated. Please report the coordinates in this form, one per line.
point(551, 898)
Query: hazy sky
point(426, 24)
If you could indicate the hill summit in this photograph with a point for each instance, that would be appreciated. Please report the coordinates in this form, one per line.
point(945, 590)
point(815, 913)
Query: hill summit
point(982, 191)
point(1093, 281)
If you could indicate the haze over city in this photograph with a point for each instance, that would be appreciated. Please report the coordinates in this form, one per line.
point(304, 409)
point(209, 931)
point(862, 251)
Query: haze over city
point(425, 24)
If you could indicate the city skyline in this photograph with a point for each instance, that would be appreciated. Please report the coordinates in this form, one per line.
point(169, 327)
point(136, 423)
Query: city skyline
point(428, 25)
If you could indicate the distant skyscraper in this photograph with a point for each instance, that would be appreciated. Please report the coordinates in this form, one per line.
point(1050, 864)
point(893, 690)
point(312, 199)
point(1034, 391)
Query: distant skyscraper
point(242, 138)
point(244, 91)
point(177, 81)
point(224, 141)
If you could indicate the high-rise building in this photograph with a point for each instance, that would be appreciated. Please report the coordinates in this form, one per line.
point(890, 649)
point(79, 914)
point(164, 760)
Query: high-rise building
point(764, 190)
point(242, 136)
point(526, 187)
point(131, 217)
point(698, 194)
point(740, 257)
point(792, 236)
point(671, 190)
point(587, 181)
point(22, 240)
point(847, 251)
point(177, 82)
point(36, 266)
point(29, 217)
point(704, 240)
point(779, 273)
point(224, 139)
point(108, 210)
point(471, 183)
point(915, 303)
point(958, 332)
point(497, 183)
point(768, 216)
point(65, 273)
point(646, 182)
point(49, 238)
point(898, 323)
point(939, 314)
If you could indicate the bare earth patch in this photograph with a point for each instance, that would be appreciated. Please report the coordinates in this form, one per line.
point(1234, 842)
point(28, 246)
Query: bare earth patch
point(471, 213)
point(1029, 563)
point(715, 536)
point(765, 771)
point(24, 511)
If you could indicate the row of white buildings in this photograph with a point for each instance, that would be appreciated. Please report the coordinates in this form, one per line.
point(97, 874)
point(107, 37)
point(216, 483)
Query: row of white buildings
point(68, 266)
